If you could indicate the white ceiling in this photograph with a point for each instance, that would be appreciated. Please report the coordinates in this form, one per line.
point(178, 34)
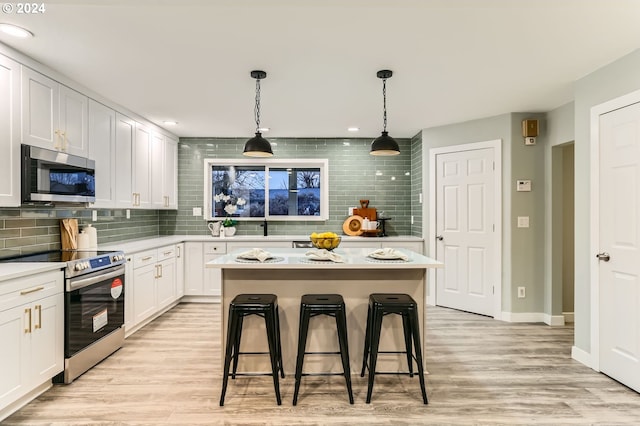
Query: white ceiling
point(453, 60)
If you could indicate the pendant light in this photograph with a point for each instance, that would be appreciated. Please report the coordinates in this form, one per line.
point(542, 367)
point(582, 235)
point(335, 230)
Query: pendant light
point(258, 146)
point(384, 144)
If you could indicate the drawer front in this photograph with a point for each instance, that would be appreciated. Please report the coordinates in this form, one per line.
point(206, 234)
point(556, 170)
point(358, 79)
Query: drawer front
point(167, 252)
point(31, 288)
point(145, 258)
point(215, 248)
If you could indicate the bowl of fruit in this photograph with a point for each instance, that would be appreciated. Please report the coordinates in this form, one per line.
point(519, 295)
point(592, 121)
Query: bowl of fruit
point(325, 240)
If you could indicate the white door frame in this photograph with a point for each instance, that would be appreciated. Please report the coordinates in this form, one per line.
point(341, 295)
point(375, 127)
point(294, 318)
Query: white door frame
point(596, 112)
point(430, 230)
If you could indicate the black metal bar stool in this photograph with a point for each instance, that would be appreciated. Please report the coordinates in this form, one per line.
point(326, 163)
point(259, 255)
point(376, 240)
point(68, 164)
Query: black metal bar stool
point(380, 305)
point(312, 305)
point(265, 306)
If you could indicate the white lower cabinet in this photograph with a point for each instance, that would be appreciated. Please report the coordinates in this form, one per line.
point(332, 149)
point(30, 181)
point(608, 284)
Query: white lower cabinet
point(151, 283)
point(198, 280)
point(179, 270)
point(32, 334)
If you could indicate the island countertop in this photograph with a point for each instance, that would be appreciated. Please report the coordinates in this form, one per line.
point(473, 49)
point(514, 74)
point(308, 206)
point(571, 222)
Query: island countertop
point(296, 258)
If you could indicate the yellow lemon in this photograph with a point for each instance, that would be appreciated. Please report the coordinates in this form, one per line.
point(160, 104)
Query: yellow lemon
point(327, 243)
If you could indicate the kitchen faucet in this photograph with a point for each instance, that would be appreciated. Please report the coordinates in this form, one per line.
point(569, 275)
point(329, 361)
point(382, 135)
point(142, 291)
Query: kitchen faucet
point(265, 231)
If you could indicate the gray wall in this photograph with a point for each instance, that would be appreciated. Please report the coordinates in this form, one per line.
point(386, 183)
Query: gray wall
point(354, 174)
point(522, 249)
point(614, 80)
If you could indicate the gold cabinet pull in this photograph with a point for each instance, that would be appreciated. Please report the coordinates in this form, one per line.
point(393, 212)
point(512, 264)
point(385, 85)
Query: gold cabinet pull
point(39, 324)
point(27, 311)
point(147, 258)
point(33, 290)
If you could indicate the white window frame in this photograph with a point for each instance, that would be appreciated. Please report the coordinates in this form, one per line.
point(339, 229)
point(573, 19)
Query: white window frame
point(322, 164)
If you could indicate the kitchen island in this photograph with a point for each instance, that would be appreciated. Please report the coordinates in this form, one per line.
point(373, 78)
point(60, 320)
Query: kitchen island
point(291, 274)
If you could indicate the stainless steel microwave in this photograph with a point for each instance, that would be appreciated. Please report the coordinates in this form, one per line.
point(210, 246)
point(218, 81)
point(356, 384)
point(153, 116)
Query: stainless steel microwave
point(53, 176)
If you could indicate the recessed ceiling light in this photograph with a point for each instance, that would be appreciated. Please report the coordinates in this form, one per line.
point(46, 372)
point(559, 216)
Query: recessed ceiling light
point(170, 123)
point(353, 129)
point(15, 31)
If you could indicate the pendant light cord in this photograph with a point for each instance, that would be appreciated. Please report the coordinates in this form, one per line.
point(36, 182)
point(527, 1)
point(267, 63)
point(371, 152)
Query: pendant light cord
point(257, 107)
point(384, 103)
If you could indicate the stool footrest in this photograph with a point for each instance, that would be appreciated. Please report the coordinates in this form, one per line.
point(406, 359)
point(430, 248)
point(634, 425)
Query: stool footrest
point(248, 374)
point(399, 373)
point(252, 353)
point(322, 353)
point(322, 374)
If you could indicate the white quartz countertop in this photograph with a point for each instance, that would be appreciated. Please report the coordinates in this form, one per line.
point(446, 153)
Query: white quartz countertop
point(353, 258)
point(9, 271)
point(135, 246)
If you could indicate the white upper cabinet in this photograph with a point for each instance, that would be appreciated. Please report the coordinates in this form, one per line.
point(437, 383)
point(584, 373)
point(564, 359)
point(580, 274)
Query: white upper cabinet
point(123, 161)
point(53, 115)
point(142, 167)
point(9, 132)
point(158, 200)
point(102, 149)
point(170, 186)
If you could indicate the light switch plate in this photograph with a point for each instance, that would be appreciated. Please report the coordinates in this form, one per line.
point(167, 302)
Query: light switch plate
point(197, 211)
point(523, 221)
point(523, 185)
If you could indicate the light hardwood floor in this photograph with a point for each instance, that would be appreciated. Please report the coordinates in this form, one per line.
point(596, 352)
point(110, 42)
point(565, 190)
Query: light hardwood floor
point(481, 371)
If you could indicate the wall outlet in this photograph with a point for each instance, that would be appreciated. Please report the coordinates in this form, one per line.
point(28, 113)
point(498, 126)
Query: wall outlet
point(197, 211)
point(94, 215)
point(521, 293)
point(128, 214)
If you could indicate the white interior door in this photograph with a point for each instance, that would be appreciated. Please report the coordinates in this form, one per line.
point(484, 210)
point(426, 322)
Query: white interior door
point(465, 192)
point(619, 233)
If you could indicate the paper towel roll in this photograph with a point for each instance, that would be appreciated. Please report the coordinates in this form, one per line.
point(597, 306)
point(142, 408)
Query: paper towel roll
point(93, 236)
point(83, 241)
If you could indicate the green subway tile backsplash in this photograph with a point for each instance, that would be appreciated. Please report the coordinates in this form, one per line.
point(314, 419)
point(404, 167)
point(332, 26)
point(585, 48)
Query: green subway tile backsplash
point(27, 230)
point(353, 175)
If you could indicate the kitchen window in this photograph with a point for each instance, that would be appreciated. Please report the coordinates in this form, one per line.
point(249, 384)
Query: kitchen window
point(254, 189)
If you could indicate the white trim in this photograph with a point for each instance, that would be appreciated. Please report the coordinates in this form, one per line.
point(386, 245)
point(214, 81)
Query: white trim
point(551, 320)
point(582, 357)
point(429, 234)
point(569, 317)
point(594, 232)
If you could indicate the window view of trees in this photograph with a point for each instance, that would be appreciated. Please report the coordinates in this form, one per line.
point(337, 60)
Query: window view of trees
point(246, 189)
point(294, 191)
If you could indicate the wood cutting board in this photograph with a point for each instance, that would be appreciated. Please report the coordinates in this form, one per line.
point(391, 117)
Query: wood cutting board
point(69, 234)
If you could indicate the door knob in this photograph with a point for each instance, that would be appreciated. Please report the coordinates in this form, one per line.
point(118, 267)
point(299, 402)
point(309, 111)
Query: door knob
point(603, 256)
point(439, 237)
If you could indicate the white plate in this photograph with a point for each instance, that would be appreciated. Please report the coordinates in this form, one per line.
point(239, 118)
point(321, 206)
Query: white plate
point(385, 256)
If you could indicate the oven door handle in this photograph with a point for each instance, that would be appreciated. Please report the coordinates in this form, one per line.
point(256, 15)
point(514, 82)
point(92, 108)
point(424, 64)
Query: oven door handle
point(79, 283)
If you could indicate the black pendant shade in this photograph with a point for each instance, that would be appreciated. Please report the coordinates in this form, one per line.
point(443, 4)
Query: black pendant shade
point(258, 146)
point(384, 144)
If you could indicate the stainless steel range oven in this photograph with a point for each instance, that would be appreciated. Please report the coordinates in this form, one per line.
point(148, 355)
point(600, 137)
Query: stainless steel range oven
point(93, 306)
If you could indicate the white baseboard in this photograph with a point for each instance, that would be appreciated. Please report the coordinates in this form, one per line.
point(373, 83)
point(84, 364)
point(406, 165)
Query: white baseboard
point(582, 356)
point(552, 320)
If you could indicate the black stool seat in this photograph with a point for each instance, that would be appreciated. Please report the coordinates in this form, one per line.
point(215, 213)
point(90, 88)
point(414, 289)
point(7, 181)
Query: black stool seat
point(380, 305)
point(265, 306)
point(323, 304)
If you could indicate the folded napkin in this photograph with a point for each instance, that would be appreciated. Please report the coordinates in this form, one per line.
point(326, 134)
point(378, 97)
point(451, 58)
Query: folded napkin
point(256, 253)
point(388, 253)
point(323, 254)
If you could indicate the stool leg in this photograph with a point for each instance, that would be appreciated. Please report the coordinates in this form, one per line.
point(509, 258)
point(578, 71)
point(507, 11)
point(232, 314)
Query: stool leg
point(341, 324)
point(270, 321)
point(279, 343)
point(236, 348)
point(418, 347)
point(367, 341)
point(231, 334)
point(302, 345)
point(406, 326)
point(376, 327)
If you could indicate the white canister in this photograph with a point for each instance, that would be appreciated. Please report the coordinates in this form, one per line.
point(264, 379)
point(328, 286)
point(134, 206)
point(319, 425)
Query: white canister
point(93, 236)
point(365, 223)
point(83, 241)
